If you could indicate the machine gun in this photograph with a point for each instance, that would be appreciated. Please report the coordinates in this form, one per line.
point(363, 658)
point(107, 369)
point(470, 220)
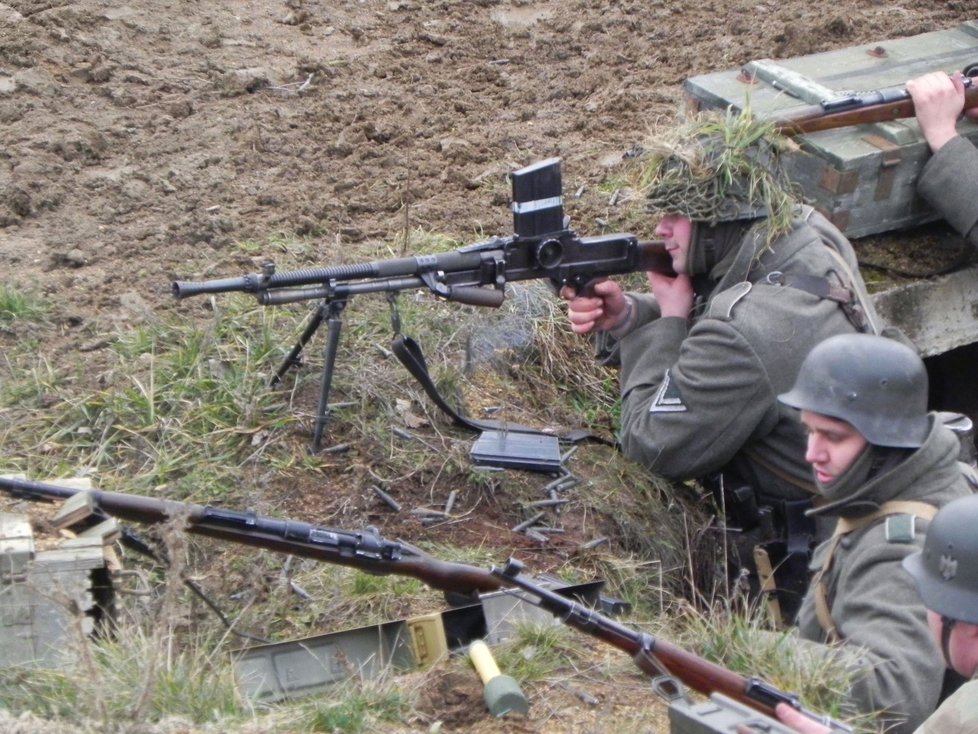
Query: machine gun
point(543, 247)
point(658, 658)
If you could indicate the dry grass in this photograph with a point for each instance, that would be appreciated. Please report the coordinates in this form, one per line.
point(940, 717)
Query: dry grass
point(184, 411)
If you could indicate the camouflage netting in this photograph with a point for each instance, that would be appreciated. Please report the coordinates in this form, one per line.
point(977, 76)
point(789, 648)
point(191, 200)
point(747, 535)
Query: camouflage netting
point(717, 168)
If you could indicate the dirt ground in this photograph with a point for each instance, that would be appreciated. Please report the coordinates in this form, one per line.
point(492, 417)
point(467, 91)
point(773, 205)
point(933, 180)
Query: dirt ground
point(142, 139)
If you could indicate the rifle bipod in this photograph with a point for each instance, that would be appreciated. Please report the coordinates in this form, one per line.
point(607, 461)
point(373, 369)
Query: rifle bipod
point(329, 310)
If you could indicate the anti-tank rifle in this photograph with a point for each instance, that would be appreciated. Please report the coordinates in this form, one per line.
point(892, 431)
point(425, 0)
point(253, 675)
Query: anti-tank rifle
point(543, 247)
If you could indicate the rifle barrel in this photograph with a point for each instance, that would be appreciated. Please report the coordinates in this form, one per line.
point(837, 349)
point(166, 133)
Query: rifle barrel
point(365, 551)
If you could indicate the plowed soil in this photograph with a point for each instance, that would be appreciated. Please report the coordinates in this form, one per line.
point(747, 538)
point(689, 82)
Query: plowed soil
point(142, 139)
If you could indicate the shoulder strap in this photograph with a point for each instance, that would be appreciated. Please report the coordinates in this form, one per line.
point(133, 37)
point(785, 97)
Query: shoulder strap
point(859, 294)
point(897, 507)
point(845, 526)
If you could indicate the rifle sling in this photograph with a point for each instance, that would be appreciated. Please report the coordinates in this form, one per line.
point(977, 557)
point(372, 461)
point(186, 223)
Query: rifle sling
point(408, 351)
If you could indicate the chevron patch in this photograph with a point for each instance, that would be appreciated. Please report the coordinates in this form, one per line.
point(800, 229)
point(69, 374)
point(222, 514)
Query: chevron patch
point(668, 399)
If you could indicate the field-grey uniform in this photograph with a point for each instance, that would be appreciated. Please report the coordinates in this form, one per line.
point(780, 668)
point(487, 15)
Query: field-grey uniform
point(700, 395)
point(868, 600)
point(949, 183)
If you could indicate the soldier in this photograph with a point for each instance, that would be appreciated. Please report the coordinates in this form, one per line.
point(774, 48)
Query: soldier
point(883, 466)
point(949, 180)
point(946, 576)
point(759, 281)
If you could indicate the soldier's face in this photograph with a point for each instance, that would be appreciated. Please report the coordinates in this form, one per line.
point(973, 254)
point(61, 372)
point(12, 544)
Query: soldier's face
point(832, 445)
point(962, 646)
point(677, 232)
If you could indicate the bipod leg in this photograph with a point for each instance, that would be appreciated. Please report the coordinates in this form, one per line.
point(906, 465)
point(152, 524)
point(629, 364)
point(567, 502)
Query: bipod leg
point(292, 359)
point(333, 326)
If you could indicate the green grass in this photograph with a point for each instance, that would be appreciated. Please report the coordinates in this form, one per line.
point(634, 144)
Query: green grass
point(20, 305)
point(536, 651)
point(743, 641)
point(357, 708)
point(185, 406)
point(181, 408)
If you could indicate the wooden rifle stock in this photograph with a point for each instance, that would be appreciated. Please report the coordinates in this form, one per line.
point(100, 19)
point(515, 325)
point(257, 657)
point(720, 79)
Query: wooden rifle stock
point(859, 109)
point(365, 550)
point(657, 657)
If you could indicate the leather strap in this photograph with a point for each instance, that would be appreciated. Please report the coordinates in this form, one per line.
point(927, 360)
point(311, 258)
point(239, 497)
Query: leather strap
point(860, 295)
point(409, 353)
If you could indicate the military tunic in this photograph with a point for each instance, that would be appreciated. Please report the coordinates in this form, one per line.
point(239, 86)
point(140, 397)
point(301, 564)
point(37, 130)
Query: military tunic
point(957, 715)
point(872, 600)
point(700, 395)
point(949, 183)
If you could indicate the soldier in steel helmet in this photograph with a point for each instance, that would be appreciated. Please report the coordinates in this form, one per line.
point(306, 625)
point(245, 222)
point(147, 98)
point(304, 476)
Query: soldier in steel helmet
point(949, 180)
point(883, 466)
point(946, 576)
point(759, 280)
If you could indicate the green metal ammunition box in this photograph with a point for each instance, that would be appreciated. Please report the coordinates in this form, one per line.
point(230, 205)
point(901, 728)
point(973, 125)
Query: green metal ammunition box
point(861, 177)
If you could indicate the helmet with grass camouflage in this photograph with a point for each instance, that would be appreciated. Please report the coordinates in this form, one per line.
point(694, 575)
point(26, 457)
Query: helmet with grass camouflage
point(877, 384)
point(946, 570)
point(718, 168)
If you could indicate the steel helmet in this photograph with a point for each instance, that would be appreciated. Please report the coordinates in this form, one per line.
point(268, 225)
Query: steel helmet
point(946, 570)
point(877, 384)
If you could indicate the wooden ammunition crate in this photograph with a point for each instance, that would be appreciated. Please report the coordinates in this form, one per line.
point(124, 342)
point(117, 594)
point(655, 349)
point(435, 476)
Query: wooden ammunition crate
point(863, 178)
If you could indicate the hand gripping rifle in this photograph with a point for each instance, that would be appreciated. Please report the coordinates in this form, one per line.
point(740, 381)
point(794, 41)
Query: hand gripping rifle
point(657, 657)
point(860, 108)
point(543, 247)
point(366, 550)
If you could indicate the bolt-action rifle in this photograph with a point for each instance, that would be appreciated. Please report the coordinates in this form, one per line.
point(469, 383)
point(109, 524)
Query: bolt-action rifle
point(543, 247)
point(657, 657)
point(369, 552)
point(860, 108)
point(365, 550)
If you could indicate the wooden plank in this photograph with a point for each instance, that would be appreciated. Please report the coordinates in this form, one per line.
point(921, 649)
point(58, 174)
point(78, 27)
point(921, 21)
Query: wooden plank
point(74, 510)
point(16, 544)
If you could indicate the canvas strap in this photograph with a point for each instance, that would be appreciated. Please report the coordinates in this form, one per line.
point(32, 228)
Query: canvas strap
point(848, 525)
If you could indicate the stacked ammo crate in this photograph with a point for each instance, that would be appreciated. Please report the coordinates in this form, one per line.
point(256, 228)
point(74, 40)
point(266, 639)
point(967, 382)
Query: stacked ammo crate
point(53, 591)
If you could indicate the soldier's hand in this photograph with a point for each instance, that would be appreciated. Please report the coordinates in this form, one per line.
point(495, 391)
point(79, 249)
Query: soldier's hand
point(602, 307)
point(798, 721)
point(674, 294)
point(938, 101)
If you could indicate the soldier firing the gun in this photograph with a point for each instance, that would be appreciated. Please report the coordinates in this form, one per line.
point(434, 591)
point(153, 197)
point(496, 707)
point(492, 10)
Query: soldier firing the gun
point(760, 280)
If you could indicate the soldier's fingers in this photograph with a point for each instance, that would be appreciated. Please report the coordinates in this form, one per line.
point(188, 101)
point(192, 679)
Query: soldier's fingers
point(580, 317)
